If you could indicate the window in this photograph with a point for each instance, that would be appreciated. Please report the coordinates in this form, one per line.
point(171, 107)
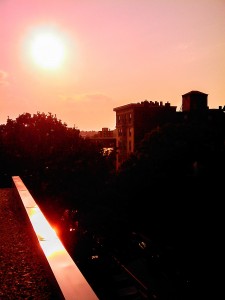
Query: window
point(130, 117)
point(130, 131)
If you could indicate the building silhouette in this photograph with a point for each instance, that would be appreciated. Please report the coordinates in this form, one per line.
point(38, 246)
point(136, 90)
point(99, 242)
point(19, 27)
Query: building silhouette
point(105, 137)
point(134, 120)
point(194, 101)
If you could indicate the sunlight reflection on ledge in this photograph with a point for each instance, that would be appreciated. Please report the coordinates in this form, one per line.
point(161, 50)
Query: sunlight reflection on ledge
point(46, 235)
point(71, 281)
point(41, 226)
point(54, 247)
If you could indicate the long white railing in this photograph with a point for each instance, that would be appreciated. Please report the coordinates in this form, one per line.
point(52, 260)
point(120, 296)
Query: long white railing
point(69, 278)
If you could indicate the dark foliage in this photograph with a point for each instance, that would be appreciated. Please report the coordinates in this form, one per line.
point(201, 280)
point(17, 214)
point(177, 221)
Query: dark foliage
point(55, 162)
point(169, 188)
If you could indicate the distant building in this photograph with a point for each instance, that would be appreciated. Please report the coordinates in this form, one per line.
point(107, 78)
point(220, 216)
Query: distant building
point(106, 138)
point(134, 120)
point(194, 101)
point(195, 107)
point(87, 134)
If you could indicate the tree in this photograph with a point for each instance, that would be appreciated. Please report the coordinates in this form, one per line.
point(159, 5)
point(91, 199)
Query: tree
point(51, 158)
point(181, 150)
point(173, 180)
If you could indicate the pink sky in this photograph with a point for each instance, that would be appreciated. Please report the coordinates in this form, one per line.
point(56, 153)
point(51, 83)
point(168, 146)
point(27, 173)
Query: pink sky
point(118, 52)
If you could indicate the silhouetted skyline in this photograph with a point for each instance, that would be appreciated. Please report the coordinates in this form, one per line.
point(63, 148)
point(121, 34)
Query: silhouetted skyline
point(115, 53)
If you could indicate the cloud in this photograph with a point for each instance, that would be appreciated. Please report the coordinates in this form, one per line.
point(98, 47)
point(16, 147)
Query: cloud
point(3, 78)
point(95, 98)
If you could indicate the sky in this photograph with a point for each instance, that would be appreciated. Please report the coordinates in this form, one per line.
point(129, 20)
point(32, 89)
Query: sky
point(115, 52)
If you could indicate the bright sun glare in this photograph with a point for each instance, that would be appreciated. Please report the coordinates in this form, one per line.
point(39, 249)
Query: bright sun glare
point(47, 50)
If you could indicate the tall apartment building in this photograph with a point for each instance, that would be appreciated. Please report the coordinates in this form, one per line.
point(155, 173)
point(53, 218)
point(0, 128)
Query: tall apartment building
point(134, 120)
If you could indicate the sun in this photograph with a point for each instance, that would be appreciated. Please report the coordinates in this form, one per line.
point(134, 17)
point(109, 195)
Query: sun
point(48, 50)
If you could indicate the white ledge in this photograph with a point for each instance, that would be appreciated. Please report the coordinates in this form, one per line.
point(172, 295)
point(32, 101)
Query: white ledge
point(72, 283)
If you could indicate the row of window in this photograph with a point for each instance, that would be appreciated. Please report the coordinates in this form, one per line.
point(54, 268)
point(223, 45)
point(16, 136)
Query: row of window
point(123, 132)
point(123, 118)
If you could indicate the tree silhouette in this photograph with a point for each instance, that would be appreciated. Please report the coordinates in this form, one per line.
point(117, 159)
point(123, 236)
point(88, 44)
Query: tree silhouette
point(52, 159)
point(171, 184)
